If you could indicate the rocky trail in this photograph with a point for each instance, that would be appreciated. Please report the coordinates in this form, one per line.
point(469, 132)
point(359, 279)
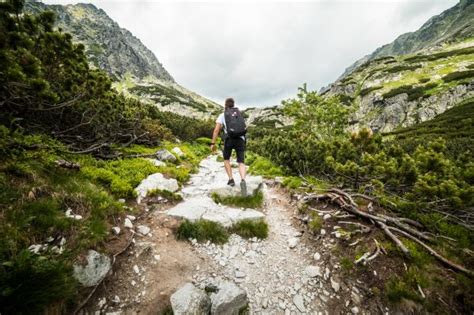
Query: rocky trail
point(290, 272)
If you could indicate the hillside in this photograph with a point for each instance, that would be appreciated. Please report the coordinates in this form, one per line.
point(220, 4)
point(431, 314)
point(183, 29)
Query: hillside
point(135, 70)
point(399, 91)
point(452, 25)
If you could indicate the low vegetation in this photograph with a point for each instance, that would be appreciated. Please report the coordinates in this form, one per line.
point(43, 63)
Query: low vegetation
point(204, 230)
point(254, 201)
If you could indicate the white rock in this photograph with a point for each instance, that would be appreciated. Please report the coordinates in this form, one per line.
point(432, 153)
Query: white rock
point(190, 300)
point(131, 217)
point(157, 163)
point(136, 269)
point(97, 266)
point(127, 223)
point(298, 301)
point(165, 155)
point(71, 215)
point(36, 248)
point(326, 216)
point(323, 232)
point(292, 242)
point(317, 256)
point(335, 285)
point(313, 271)
point(239, 274)
point(157, 257)
point(121, 200)
point(355, 310)
point(254, 184)
point(116, 230)
point(177, 151)
point(229, 299)
point(153, 182)
point(143, 229)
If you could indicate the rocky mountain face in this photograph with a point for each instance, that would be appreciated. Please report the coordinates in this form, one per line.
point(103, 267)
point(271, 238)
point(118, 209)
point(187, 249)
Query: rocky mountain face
point(108, 46)
point(272, 117)
point(134, 68)
point(453, 25)
point(414, 78)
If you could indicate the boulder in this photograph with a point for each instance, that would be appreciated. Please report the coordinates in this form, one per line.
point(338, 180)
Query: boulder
point(250, 214)
point(190, 300)
point(177, 151)
point(192, 209)
point(165, 155)
point(254, 184)
point(153, 182)
point(97, 266)
point(229, 299)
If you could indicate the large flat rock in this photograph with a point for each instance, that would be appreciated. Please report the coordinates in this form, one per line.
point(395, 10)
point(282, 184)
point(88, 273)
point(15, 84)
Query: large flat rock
point(204, 208)
point(153, 182)
point(254, 184)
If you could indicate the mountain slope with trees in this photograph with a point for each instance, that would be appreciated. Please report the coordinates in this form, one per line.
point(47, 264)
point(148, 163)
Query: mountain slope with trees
point(134, 69)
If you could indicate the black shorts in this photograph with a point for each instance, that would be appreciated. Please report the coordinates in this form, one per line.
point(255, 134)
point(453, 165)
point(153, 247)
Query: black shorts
point(237, 144)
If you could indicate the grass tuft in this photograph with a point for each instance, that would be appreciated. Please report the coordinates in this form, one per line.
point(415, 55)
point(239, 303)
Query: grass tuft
point(202, 230)
point(251, 228)
point(255, 201)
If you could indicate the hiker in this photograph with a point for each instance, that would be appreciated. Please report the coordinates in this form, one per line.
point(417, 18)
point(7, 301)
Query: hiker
point(233, 124)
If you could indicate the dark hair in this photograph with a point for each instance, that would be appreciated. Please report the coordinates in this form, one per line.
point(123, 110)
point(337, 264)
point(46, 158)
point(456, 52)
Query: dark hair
point(229, 103)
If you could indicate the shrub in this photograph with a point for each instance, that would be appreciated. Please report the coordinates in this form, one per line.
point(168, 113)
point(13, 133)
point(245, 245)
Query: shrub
point(316, 223)
point(165, 194)
point(259, 165)
point(458, 75)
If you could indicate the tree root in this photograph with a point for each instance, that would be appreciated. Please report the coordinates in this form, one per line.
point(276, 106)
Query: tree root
point(406, 227)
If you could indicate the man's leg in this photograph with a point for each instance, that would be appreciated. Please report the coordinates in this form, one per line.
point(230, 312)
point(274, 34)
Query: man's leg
point(228, 168)
point(242, 170)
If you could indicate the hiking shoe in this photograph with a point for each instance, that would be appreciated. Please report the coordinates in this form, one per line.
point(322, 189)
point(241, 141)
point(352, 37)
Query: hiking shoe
point(231, 182)
point(243, 188)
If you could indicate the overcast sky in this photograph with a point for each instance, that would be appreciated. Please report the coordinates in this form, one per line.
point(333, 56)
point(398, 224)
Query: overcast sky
point(260, 51)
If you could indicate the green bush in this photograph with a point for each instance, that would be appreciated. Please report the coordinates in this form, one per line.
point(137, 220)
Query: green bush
point(259, 165)
point(458, 75)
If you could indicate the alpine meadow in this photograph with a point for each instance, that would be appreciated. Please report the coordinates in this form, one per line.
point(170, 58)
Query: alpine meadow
point(115, 197)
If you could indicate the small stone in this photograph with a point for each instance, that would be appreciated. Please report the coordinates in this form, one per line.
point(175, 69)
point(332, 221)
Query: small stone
point(157, 257)
point(327, 216)
point(136, 269)
point(313, 271)
point(335, 285)
point(121, 200)
point(128, 224)
point(317, 256)
point(298, 301)
point(323, 232)
point(131, 217)
point(102, 302)
point(355, 310)
point(240, 274)
point(143, 229)
point(292, 242)
point(116, 299)
point(116, 230)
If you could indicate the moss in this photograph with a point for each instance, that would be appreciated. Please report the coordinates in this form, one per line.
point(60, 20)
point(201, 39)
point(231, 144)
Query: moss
point(202, 230)
point(254, 201)
point(251, 228)
point(396, 290)
point(365, 91)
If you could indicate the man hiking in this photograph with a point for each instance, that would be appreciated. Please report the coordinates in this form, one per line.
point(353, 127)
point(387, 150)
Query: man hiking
point(233, 124)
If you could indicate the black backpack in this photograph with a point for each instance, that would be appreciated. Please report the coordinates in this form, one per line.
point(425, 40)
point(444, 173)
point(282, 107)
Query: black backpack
point(234, 122)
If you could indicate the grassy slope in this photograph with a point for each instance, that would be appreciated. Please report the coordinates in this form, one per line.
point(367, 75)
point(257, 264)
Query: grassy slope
point(34, 196)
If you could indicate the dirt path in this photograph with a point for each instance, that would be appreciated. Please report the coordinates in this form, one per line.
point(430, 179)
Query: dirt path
point(287, 273)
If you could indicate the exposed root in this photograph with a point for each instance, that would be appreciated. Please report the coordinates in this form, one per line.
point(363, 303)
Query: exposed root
point(404, 226)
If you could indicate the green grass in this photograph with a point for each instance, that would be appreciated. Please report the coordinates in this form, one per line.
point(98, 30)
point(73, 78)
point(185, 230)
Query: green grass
point(292, 182)
point(255, 201)
point(204, 230)
point(315, 224)
point(251, 228)
point(259, 165)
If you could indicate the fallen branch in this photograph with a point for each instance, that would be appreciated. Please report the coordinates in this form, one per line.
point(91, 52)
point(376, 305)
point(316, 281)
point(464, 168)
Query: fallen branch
point(434, 253)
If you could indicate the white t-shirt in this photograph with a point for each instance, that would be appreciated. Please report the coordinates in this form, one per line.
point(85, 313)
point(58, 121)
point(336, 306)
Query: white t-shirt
point(221, 120)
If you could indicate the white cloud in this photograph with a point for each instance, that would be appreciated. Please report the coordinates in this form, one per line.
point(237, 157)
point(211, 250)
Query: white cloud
point(260, 51)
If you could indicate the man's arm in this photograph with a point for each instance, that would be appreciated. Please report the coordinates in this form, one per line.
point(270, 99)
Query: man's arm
point(215, 134)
